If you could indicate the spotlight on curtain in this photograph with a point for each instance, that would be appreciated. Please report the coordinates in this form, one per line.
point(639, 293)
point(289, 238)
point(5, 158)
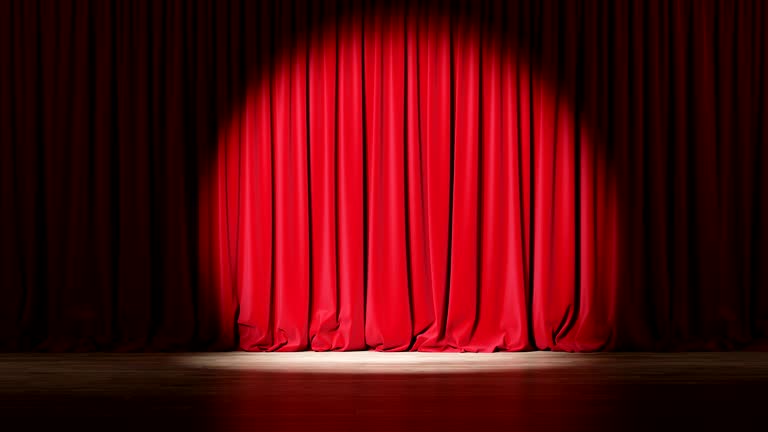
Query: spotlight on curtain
point(480, 176)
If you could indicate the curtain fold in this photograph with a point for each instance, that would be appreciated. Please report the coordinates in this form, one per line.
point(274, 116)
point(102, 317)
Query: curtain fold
point(341, 175)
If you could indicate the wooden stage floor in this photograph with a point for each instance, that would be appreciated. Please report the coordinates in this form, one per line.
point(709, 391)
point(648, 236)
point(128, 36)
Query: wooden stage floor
point(368, 391)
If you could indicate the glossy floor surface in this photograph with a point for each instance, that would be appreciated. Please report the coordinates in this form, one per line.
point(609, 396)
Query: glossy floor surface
point(370, 391)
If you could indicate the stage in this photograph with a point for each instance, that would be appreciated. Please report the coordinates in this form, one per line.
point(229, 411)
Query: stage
point(310, 391)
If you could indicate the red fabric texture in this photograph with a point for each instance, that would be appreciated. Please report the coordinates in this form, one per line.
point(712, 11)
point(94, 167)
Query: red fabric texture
point(343, 175)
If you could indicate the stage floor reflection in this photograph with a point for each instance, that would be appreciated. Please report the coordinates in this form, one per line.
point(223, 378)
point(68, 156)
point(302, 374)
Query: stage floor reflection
point(538, 391)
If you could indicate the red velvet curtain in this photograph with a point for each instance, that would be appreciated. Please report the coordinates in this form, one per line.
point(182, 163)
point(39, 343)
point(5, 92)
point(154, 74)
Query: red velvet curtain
point(474, 176)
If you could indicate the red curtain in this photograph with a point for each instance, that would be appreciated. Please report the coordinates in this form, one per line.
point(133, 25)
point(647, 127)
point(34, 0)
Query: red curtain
point(472, 176)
